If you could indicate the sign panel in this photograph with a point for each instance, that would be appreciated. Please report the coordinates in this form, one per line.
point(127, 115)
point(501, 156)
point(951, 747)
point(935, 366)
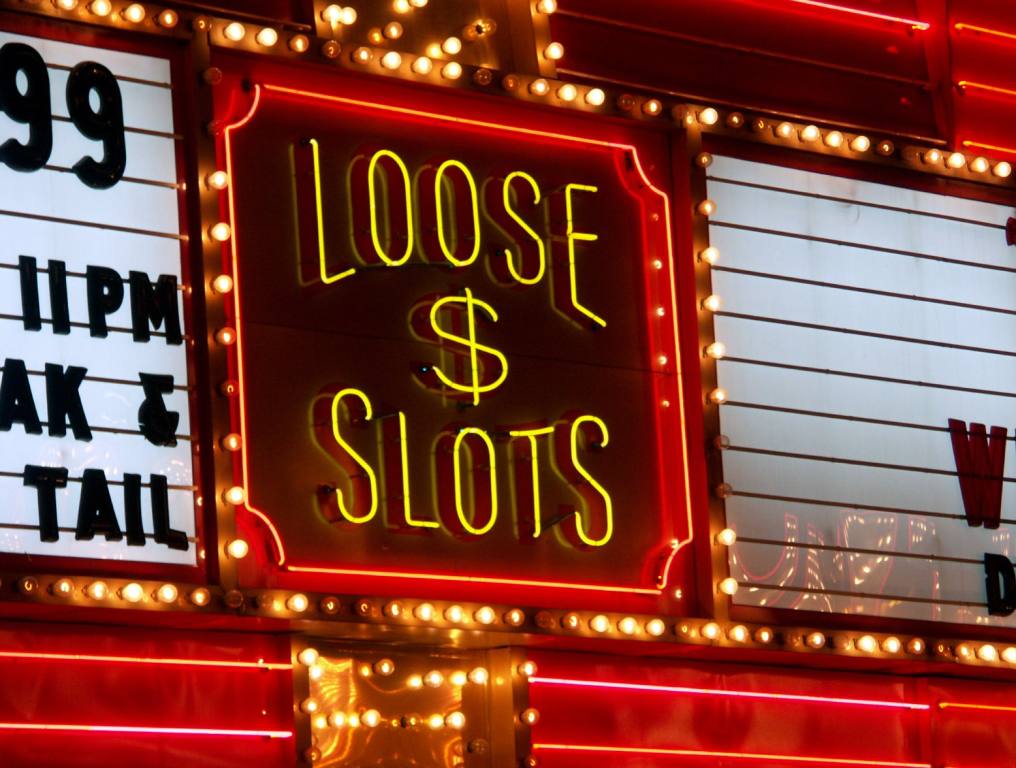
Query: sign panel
point(95, 451)
point(870, 335)
point(457, 346)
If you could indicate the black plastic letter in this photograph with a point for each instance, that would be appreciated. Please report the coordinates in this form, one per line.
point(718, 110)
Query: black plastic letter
point(46, 480)
point(1000, 577)
point(58, 297)
point(95, 510)
point(63, 401)
point(157, 424)
point(29, 274)
point(171, 537)
point(155, 304)
point(16, 401)
point(105, 295)
point(132, 510)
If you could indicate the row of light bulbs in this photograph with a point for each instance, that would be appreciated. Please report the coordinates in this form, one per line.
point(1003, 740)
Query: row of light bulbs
point(131, 592)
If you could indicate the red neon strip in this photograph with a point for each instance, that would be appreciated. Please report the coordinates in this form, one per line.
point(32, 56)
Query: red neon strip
point(967, 85)
point(979, 707)
point(281, 561)
point(268, 665)
point(960, 27)
point(912, 23)
point(990, 147)
point(142, 729)
point(635, 751)
point(558, 681)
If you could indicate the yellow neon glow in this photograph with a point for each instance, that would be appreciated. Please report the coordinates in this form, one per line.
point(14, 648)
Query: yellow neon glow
point(367, 471)
point(587, 237)
point(318, 209)
point(439, 176)
point(403, 452)
point(505, 190)
point(372, 194)
point(532, 434)
point(591, 480)
point(459, 508)
point(477, 388)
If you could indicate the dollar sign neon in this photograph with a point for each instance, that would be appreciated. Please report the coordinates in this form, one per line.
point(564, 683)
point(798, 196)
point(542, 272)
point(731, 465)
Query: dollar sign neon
point(469, 341)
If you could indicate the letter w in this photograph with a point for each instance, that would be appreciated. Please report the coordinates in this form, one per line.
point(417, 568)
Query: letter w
point(979, 464)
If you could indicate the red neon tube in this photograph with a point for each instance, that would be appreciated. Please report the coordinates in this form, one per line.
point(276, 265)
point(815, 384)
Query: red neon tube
point(639, 751)
point(267, 665)
point(144, 729)
point(990, 147)
point(912, 23)
point(640, 687)
point(967, 85)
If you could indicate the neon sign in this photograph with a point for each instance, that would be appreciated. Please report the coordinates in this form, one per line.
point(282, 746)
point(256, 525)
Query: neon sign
point(463, 375)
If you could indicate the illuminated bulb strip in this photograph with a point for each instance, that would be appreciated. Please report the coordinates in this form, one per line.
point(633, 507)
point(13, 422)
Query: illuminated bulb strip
point(729, 755)
point(912, 23)
point(170, 662)
point(144, 730)
point(560, 681)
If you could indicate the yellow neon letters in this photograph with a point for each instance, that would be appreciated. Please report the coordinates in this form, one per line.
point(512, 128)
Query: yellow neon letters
point(505, 191)
point(438, 202)
point(572, 237)
point(318, 210)
point(576, 425)
point(477, 388)
point(367, 471)
point(405, 480)
point(534, 467)
point(467, 524)
point(372, 194)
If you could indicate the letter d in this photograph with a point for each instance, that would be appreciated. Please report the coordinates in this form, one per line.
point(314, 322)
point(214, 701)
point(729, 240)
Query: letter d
point(1001, 582)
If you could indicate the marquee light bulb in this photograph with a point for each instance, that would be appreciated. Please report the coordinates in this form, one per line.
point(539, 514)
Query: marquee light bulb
point(133, 592)
point(299, 43)
point(433, 679)
point(979, 164)
point(1003, 170)
point(384, 667)
point(892, 645)
point(964, 651)
point(393, 30)
point(729, 585)
point(987, 653)
point(932, 157)
point(458, 678)
point(455, 614)
point(423, 65)
point(451, 46)
point(222, 284)
point(662, 359)
point(63, 587)
point(232, 442)
point(810, 133)
point(527, 668)
point(554, 51)
point(348, 16)
point(319, 723)
point(455, 720)
point(710, 255)
point(866, 644)
point(235, 31)
point(956, 160)
point(816, 640)
point(371, 718)
point(628, 626)
point(167, 593)
point(735, 120)
point(353, 720)
point(267, 37)
point(834, 139)
point(860, 144)
point(168, 19)
point(717, 397)
point(391, 60)
point(332, 14)
point(708, 116)
point(530, 716)
point(435, 722)
point(661, 312)
point(599, 623)
point(66, 5)
point(362, 55)
point(337, 719)
point(220, 232)
point(706, 208)
point(101, 7)
point(415, 682)
point(309, 706)
point(479, 676)
point(784, 130)
point(418, 3)
point(595, 97)
point(711, 631)
point(546, 6)
point(134, 13)
point(393, 610)
point(308, 657)
point(656, 627)
point(514, 618)
point(451, 71)
point(97, 590)
point(235, 495)
point(485, 615)
point(217, 180)
point(716, 350)
point(726, 537)
point(712, 302)
point(916, 646)
point(738, 633)
point(237, 549)
point(652, 107)
point(1009, 655)
point(200, 597)
point(424, 612)
point(539, 87)
point(297, 603)
point(567, 92)
point(402, 6)
point(885, 147)
point(763, 635)
point(225, 336)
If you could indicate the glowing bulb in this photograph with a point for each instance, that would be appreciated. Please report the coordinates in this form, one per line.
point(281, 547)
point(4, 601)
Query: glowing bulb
point(599, 623)
point(892, 645)
point(652, 107)
point(979, 164)
point(168, 19)
point(362, 55)
point(712, 302)
point(63, 587)
point(485, 615)
point(347, 16)
point(738, 633)
point(402, 6)
point(353, 720)
point(308, 657)
point(433, 679)
point(200, 597)
point(567, 92)
point(315, 672)
point(391, 60)
point(956, 160)
point(964, 651)
point(337, 719)
point(1003, 170)
point(710, 255)
point(479, 676)
point(309, 706)
point(235, 495)
point(267, 37)
point(656, 627)
point(816, 640)
point(763, 635)
point(810, 133)
point(220, 232)
point(915, 646)
point(66, 5)
point(867, 644)
point(222, 284)
point(393, 609)
point(834, 139)
point(371, 718)
point(719, 396)
point(711, 631)
point(384, 667)
point(987, 653)
point(784, 130)
point(860, 144)
point(628, 626)
point(235, 31)
point(101, 7)
point(451, 46)
point(707, 208)
point(415, 682)
point(237, 549)
point(458, 678)
point(418, 3)
point(595, 97)
point(546, 6)
point(225, 336)
point(133, 592)
point(320, 722)
point(716, 350)
point(514, 618)
point(554, 51)
point(885, 147)
point(708, 116)
point(232, 442)
point(539, 87)
point(661, 312)
point(726, 537)
point(332, 14)
point(422, 65)
point(167, 593)
point(97, 590)
point(393, 30)
point(299, 43)
point(454, 614)
point(662, 359)
point(451, 71)
point(657, 264)
point(1009, 655)
point(455, 720)
point(530, 716)
point(217, 180)
point(297, 603)
point(527, 668)
point(424, 612)
point(729, 585)
point(134, 13)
